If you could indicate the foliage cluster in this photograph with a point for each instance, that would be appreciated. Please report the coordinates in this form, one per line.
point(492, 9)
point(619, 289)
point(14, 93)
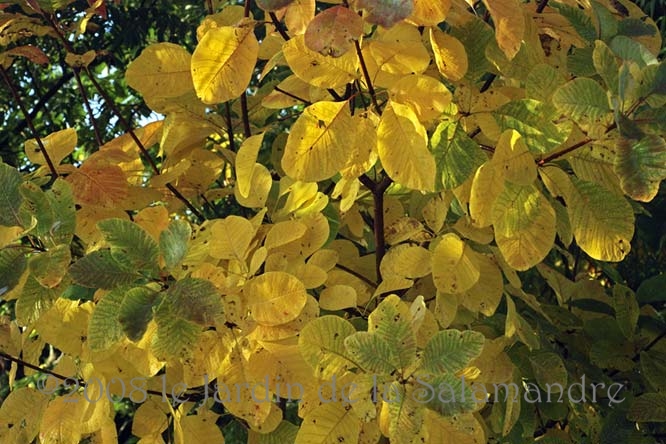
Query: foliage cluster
point(391, 195)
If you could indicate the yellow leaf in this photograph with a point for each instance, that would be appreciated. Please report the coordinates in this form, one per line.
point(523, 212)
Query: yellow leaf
point(245, 159)
point(524, 223)
point(319, 70)
point(58, 145)
point(428, 12)
point(22, 410)
point(402, 144)
point(450, 55)
point(231, 238)
point(229, 16)
point(513, 159)
point(275, 298)
point(509, 24)
point(454, 268)
point(223, 62)
point(337, 297)
point(162, 71)
point(488, 183)
point(149, 419)
point(409, 261)
point(261, 182)
point(284, 232)
point(298, 15)
point(485, 295)
point(61, 420)
point(198, 428)
point(329, 423)
point(363, 153)
point(319, 142)
point(427, 97)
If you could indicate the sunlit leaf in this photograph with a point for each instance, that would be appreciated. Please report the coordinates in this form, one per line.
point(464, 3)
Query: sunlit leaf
point(454, 269)
point(402, 146)
point(450, 55)
point(223, 62)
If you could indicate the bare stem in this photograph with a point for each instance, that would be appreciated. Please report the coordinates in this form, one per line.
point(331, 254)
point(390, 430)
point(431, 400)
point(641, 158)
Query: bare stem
point(29, 121)
point(366, 75)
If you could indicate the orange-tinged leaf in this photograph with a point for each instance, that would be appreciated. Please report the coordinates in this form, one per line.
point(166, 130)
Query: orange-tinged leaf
point(319, 142)
point(273, 5)
point(98, 184)
point(386, 12)
point(402, 144)
point(450, 55)
point(428, 12)
point(333, 31)
point(223, 62)
point(509, 24)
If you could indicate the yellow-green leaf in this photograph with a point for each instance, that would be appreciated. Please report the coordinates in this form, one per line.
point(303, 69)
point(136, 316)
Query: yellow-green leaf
point(525, 225)
point(275, 298)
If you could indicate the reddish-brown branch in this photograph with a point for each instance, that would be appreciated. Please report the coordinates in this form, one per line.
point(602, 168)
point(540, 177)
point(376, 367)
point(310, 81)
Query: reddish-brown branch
point(366, 75)
point(29, 121)
point(378, 189)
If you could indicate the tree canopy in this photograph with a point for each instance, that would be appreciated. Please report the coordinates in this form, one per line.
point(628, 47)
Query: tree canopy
point(360, 221)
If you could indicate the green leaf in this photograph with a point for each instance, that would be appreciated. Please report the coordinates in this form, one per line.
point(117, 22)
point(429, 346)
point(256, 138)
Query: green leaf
point(50, 266)
point(34, 301)
point(542, 81)
point(651, 290)
point(10, 198)
point(632, 27)
point(626, 309)
point(322, 344)
point(525, 225)
point(136, 311)
point(371, 352)
point(104, 329)
point(653, 369)
point(36, 206)
point(602, 222)
point(12, 267)
point(629, 49)
point(193, 299)
point(534, 121)
point(451, 350)
point(174, 242)
point(606, 65)
point(175, 336)
point(130, 244)
point(578, 19)
point(446, 394)
point(641, 166)
point(549, 370)
point(405, 412)
point(64, 211)
point(650, 407)
point(457, 156)
point(391, 320)
point(100, 270)
point(606, 21)
point(582, 98)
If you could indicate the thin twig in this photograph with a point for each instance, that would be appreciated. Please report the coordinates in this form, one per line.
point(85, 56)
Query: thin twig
point(230, 127)
point(542, 5)
point(89, 110)
point(278, 26)
point(247, 132)
point(368, 82)
point(293, 96)
point(356, 274)
point(28, 120)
